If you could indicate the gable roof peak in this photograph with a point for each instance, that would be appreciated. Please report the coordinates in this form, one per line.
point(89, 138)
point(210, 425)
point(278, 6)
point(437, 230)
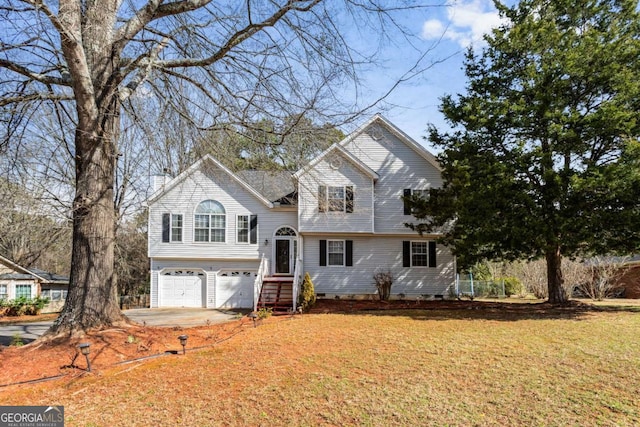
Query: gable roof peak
point(197, 166)
point(378, 118)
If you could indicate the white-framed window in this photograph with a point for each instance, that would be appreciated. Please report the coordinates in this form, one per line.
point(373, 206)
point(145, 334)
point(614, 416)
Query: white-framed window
point(171, 227)
point(242, 226)
point(210, 221)
point(335, 199)
point(3, 292)
point(176, 227)
point(23, 291)
point(335, 252)
point(54, 294)
point(419, 254)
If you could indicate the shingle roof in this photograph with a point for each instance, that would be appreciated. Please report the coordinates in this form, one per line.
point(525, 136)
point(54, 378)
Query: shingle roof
point(274, 186)
point(35, 274)
point(49, 277)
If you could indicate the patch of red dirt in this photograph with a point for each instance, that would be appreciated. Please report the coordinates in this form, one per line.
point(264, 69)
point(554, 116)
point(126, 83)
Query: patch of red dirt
point(60, 357)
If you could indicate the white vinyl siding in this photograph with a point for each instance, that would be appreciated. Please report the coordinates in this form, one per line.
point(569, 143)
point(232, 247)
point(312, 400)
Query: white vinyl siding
point(398, 167)
point(372, 253)
point(236, 200)
point(336, 214)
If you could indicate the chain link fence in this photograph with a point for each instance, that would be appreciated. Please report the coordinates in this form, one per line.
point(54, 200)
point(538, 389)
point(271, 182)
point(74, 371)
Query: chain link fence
point(481, 288)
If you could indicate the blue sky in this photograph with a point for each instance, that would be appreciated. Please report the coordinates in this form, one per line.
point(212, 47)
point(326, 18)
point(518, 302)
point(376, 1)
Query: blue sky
point(451, 28)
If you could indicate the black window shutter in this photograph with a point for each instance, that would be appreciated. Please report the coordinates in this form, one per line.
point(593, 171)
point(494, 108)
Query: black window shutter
point(348, 253)
point(166, 223)
point(323, 253)
point(348, 195)
point(322, 198)
point(406, 253)
point(253, 229)
point(432, 254)
point(407, 207)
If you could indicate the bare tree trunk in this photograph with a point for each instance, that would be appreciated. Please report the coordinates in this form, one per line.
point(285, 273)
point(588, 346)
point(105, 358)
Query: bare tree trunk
point(93, 300)
point(555, 280)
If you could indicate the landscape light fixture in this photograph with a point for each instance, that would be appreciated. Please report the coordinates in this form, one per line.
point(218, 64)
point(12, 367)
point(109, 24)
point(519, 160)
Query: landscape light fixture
point(85, 348)
point(183, 342)
point(253, 316)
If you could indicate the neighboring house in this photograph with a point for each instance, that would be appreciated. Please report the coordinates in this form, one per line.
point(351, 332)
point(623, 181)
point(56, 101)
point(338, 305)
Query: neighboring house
point(17, 281)
point(220, 239)
point(630, 278)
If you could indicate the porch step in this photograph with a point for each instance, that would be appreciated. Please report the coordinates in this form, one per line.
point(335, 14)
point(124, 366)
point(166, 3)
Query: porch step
point(277, 293)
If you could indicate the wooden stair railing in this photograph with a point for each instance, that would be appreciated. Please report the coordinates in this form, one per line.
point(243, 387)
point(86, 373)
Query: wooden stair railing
point(277, 293)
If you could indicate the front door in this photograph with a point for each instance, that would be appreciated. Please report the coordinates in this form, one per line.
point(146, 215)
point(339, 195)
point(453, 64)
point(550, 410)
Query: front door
point(283, 258)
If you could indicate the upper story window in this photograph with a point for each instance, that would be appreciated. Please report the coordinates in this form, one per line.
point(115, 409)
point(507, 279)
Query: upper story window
point(210, 221)
point(335, 198)
point(242, 225)
point(171, 228)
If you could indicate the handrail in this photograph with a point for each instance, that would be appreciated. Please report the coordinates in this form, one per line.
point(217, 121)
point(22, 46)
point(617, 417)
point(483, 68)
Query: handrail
point(297, 275)
point(257, 284)
point(296, 283)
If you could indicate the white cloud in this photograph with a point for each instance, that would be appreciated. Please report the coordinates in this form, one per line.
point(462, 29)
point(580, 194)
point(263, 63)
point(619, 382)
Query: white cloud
point(467, 21)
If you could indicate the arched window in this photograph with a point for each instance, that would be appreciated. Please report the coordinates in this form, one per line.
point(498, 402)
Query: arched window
point(285, 231)
point(210, 222)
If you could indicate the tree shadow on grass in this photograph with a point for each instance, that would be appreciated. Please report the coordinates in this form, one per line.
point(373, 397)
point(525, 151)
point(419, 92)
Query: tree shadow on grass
point(451, 310)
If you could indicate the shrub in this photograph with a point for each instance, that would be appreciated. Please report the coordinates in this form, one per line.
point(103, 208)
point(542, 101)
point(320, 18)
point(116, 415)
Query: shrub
point(16, 340)
point(307, 297)
point(264, 313)
point(383, 281)
point(512, 286)
point(22, 305)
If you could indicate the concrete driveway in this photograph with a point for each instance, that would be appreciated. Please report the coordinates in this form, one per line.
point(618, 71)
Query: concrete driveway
point(164, 317)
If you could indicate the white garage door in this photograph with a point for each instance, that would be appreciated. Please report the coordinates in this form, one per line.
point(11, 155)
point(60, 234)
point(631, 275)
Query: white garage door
point(234, 288)
point(181, 288)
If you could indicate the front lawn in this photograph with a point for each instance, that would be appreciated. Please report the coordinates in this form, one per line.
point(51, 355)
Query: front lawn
point(462, 367)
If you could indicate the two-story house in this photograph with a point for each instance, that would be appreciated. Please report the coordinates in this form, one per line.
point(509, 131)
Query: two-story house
point(216, 238)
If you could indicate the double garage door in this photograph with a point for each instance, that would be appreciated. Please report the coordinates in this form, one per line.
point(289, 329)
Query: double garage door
point(183, 288)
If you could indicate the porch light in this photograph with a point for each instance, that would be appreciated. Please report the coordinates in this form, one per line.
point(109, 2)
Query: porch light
point(183, 342)
point(85, 348)
point(266, 242)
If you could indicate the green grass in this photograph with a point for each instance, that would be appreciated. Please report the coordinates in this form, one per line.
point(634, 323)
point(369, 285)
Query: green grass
point(413, 368)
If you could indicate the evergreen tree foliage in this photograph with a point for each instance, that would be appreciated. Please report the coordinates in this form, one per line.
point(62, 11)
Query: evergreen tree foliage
point(544, 157)
point(307, 297)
